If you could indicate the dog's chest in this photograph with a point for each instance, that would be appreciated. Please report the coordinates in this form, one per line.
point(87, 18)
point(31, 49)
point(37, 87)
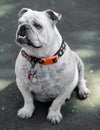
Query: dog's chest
point(47, 80)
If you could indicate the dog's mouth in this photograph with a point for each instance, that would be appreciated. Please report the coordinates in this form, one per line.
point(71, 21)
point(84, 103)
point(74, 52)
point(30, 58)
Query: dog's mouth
point(25, 40)
point(22, 38)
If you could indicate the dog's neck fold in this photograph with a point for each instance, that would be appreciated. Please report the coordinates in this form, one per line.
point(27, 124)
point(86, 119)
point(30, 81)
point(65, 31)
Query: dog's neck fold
point(48, 50)
point(45, 60)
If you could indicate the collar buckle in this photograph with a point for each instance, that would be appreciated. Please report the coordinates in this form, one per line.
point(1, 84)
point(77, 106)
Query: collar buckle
point(49, 60)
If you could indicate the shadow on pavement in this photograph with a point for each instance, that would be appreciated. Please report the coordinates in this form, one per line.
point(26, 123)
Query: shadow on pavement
point(73, 116)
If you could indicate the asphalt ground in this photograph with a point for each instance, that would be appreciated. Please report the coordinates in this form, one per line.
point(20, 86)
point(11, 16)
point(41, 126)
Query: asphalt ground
point(80, 28)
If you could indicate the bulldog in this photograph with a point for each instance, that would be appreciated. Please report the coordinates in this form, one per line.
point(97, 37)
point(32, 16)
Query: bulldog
point(46, 65)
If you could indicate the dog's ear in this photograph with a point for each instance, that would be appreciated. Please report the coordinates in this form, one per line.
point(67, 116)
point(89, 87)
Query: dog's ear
point(22, 11)
point(54, 16)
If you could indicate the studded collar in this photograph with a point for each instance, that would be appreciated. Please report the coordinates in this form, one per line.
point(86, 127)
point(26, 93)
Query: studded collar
point(46, 60)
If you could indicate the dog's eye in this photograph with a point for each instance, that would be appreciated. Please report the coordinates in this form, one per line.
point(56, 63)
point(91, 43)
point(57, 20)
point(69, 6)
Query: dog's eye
point(38, 26)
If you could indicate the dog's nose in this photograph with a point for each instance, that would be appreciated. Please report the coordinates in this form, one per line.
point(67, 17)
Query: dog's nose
point(22, 30)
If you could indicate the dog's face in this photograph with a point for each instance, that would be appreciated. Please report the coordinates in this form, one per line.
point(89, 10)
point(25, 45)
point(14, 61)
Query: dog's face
point(36, 29)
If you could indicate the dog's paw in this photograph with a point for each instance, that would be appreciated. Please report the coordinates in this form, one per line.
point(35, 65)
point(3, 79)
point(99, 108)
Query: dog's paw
point(25, 113)
point(84, 93)
point(54, 117)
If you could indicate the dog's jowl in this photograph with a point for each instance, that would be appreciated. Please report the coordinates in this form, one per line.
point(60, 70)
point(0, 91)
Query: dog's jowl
point(46, 65)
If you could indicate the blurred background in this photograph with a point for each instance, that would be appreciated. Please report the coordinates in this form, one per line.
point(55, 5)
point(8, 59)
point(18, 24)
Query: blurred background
point(80, 28)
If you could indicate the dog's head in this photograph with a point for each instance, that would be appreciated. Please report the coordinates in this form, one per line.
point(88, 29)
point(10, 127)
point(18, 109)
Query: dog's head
point(36, 29)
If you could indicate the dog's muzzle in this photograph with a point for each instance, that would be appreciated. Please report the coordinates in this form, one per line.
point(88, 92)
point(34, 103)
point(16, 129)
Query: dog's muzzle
point(22, 36)
point(22, 30)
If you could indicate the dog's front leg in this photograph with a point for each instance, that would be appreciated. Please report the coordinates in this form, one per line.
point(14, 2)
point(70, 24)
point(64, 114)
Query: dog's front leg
point(54, 114)
point(27, 110)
